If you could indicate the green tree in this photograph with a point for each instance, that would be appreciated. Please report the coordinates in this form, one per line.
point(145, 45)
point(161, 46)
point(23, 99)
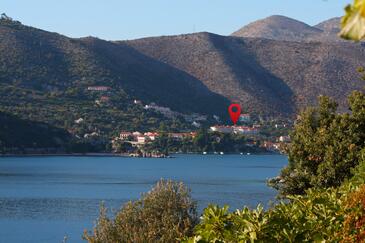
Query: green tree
point(202, 140)
point(325, 146)
point(165, 214)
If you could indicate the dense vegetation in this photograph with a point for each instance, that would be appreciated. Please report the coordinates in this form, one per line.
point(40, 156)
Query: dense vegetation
point(62, 109)
point(165, 214)
point(206, 141)
point(17, 135)
point(325, 146)
point(321, 215)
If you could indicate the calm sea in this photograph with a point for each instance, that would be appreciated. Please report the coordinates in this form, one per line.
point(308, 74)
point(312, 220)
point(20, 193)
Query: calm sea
point(44, 199)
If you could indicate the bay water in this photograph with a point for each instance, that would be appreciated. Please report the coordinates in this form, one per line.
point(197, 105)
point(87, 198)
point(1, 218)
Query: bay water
point(52, 198)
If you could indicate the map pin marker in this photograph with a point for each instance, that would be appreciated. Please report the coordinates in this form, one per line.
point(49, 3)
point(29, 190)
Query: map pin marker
point(235, 112)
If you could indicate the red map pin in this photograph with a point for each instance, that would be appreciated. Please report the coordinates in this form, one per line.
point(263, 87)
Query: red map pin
point(235, 112)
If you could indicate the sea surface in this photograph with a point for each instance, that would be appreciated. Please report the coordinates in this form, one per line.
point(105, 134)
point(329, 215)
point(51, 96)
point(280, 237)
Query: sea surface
point(49, 199)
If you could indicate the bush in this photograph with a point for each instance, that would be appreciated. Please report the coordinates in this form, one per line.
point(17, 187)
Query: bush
point(165, 214)
point(218, 225)
point(315, 217)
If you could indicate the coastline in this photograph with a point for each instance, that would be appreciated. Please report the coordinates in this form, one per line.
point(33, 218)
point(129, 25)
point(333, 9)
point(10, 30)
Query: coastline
point(120, 155)
point(67, 155)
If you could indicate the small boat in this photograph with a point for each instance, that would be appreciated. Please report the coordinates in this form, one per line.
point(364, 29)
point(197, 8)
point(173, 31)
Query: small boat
point(204, 152)
point(241, 153)
point(248, 153)
point(221, 153)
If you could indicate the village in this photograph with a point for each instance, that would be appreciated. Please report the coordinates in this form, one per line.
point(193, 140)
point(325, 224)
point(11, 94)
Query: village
point(252, 132)
point(250, 136)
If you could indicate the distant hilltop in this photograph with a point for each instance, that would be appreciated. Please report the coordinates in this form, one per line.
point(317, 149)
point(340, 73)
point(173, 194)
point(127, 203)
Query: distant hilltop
point(282, 28)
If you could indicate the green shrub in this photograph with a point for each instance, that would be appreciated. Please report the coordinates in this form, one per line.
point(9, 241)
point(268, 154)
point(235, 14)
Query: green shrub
point(315, 217)
point(165, 214)
point(218, 225)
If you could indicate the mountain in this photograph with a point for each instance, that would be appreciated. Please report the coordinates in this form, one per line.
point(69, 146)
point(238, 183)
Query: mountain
point(278, 27)
point(44, 76)
point(47, 61)
point(268, 76)
point(225, 66)
point(282, 28)
point(331, 26)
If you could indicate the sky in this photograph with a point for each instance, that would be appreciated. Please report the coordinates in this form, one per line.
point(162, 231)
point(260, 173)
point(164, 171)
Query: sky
point(132, 19)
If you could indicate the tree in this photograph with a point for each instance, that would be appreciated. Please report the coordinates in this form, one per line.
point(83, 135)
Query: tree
point(165, 214)
point(325, 146)
point(202, 139)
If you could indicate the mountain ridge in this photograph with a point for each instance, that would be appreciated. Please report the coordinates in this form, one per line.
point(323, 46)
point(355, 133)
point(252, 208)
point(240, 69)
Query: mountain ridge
point(244, 64)
point(191, 73)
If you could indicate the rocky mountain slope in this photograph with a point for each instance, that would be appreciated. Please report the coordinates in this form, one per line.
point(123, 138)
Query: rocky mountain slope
point(268, 76)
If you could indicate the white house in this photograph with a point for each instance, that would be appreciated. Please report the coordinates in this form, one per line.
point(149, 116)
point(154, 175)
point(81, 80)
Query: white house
point(141, 139)
point(245, 118)
point(222, 129)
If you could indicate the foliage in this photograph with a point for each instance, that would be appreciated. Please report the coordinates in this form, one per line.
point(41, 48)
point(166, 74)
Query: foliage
point(216, 142)
point(359, 171)
point(218, 225)
point(354, 225)
point(123, 147)
point(18, 134)
point(204, 141)
point(320, 215)
point(353, 23)
point(325, 147)
point(165, 214)
point(315, 217)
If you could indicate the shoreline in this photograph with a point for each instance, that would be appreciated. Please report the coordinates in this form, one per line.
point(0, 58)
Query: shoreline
point(67, 155)
point(120, 155)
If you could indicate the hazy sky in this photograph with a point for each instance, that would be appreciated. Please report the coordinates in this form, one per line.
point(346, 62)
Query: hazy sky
point(130, 19)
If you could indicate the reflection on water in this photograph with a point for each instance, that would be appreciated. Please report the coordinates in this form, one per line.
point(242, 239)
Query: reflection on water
point(52, 208)
point(42, 199)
